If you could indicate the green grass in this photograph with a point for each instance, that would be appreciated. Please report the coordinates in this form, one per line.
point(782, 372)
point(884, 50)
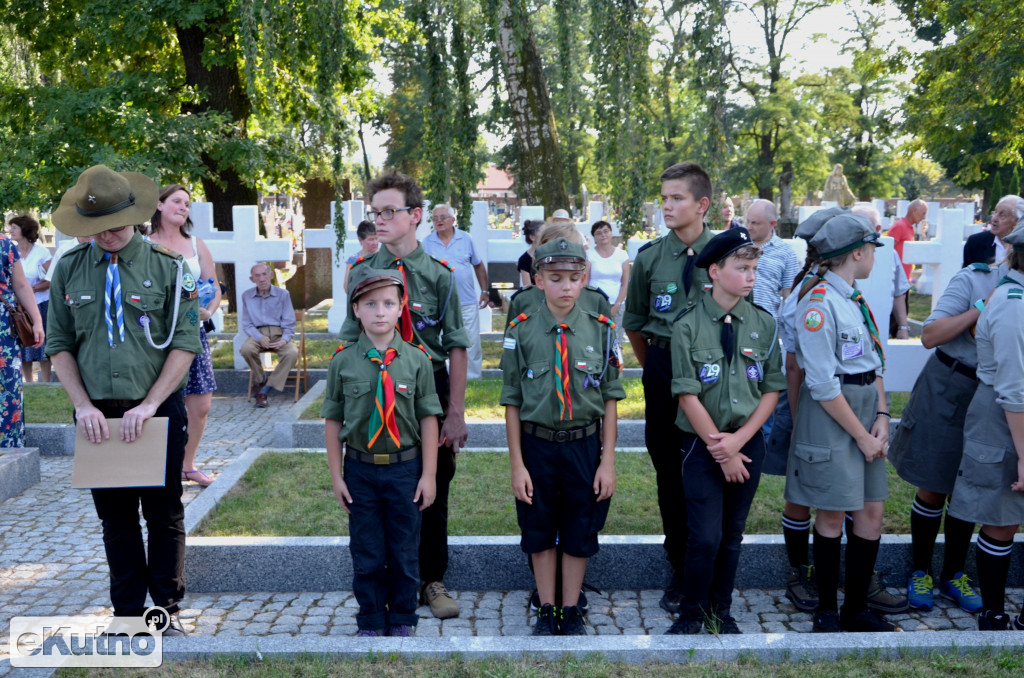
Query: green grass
point(920, 306)
point(392, 665)
point(289, 494)
point(482, 397)
point(47, 404)
point(314, 323)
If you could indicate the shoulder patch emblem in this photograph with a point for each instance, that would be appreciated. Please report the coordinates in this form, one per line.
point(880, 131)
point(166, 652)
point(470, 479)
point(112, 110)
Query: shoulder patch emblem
point(814, 319)
point(518, 319)
point(1015, 293)
point(818, 293)
point(509, 344)
point(188, 283)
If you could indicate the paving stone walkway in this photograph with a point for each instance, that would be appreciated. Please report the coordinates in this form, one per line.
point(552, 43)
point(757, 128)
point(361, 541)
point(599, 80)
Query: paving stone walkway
point(52, 562)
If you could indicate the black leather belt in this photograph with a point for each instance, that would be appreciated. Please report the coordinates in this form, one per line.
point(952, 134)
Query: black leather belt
point(408, 454)
point(554, 436)
point(118, 403)
point(957, 366)
point(659, 342)
point(862, 379)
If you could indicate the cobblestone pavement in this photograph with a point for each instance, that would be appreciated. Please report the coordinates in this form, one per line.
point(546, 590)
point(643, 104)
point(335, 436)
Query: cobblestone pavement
point(52, 562)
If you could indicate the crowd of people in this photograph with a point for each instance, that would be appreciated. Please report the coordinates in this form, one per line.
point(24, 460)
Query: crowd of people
point(751, 364)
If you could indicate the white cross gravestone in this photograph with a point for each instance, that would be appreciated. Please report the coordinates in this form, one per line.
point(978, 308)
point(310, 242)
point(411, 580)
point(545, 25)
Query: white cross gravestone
point(244, 249)
point(355, 212)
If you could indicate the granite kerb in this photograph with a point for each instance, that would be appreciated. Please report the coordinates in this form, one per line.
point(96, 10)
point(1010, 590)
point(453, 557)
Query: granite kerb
point(19, 470)
point(234, 564)
point(761, 647)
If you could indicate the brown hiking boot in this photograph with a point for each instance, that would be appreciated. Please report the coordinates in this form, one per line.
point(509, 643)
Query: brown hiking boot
point(801, 588)
point(883, 602)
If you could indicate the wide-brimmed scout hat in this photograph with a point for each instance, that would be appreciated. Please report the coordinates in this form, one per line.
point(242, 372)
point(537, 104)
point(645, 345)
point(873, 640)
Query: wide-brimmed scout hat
point(560, 255)
point(812, 224)
point(103, 199)
point(843, 234)
point(365, 279)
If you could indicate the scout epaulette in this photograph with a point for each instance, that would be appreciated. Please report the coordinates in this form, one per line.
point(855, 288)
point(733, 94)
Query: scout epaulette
point(519, 291)
point(518, 319)
point(341, 347)
point(643, 247)
point(444, 262)
point(980, 266)
point(599, 291)
point(1015, 293)
point(424, 349)
point(818, 293)
point(683, 312)
point(163, 250)
point(358, 260)
point(602, 318)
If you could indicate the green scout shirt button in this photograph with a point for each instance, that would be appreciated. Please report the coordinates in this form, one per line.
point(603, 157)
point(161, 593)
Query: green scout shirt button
point(116, 375)
point(734, 400)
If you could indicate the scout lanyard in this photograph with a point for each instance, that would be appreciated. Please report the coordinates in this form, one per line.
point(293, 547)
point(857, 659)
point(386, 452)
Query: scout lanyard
point(145, 321)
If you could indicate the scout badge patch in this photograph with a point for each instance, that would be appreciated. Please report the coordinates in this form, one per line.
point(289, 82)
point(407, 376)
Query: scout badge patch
point(814, 320)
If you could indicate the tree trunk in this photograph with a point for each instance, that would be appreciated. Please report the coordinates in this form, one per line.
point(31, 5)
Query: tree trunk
point(540, 180)
point(786, 190)
point(220, 89)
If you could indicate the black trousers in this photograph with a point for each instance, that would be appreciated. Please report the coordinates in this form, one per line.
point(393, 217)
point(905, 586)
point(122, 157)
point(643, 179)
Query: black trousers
point(664, 440)
point(717, 516)
point(132, 573)
point(434, 528)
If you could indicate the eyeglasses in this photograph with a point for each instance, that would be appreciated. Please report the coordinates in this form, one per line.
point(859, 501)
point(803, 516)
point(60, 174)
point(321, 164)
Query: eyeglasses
point(386, 214)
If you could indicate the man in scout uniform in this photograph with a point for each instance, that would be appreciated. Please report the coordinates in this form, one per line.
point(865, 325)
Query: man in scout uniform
point(727, 374)
point(115, 298)
point(841, 430)
point(380, 402)
point(664, 282)
point(560, 390)
point(431, 318)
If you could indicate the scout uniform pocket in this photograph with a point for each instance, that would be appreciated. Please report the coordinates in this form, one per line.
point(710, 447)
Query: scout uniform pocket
point(812, 467)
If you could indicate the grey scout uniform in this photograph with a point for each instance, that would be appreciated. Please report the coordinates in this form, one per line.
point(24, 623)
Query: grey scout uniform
point(826, 469)
point(982, 492)
point(927, 445)
point(529, 369)
point(432, 291)
point(352, 385)
point(730, 392)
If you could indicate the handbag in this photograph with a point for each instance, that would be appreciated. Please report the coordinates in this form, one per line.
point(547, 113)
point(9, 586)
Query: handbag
point(22, 325)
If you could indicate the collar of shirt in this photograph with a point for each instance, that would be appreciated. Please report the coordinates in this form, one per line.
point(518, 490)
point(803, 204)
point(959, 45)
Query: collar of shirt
point(125, 255)
point(715, 312)
point(364, 344)
point(546, 319)
point(457, 234)
point(772, 242)
point(840, 285)
point(1015, 275)
point(415, 259)
point(679, 248)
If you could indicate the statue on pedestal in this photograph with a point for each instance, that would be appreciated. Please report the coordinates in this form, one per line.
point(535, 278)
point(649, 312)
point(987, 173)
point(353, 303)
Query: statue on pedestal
point(836, 188)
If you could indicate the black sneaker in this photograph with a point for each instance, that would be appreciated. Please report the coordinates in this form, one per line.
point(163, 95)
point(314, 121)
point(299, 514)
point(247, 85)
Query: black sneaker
point(671, 600)
point(727, 625)
point(826, 622)
point(1018, 623)
point(582, 602)
point(534, 601)
point(993, 621)
point(801, 588)
point(174, 627)
point(572, 623)
point(866, 621)
point(685, 626)
point(547, 624)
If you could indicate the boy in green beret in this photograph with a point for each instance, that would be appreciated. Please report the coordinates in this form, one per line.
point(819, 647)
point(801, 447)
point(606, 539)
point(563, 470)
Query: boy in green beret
point(561, 384)
point(381, 403)
point(726, 375)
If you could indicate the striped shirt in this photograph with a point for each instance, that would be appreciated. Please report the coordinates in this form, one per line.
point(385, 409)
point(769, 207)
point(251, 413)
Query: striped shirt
point(776, 270)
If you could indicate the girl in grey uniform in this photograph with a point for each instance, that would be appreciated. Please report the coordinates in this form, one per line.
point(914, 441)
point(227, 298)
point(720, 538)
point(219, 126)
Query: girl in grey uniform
point(927, 446)
point(989, 486)
point(841, 427)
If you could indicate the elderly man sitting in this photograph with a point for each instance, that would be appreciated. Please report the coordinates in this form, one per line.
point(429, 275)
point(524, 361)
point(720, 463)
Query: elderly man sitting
point(268, 319)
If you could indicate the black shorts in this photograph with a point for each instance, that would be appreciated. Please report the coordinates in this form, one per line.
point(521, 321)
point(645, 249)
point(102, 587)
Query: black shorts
point(564, 510)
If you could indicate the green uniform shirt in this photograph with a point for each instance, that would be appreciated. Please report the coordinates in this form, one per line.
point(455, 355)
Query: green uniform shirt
point(350, 396)
point(528, 364)
point(76, 321)
point(656, 293)
point(429, 283)
point(730, 392)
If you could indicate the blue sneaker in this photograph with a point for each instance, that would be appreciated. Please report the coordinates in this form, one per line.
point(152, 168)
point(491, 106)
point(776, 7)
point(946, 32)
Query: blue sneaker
point(919, 591)
point(959, 589)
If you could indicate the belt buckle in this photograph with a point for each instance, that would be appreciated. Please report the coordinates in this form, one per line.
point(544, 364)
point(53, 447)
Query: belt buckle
point(561, 436)
point(381, 459)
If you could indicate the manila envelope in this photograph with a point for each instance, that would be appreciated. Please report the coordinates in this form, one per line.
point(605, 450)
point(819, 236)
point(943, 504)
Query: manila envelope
point(115, 463)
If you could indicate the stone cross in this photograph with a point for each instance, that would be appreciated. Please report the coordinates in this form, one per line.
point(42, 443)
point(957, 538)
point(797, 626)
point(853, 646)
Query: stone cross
point(244, 249)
